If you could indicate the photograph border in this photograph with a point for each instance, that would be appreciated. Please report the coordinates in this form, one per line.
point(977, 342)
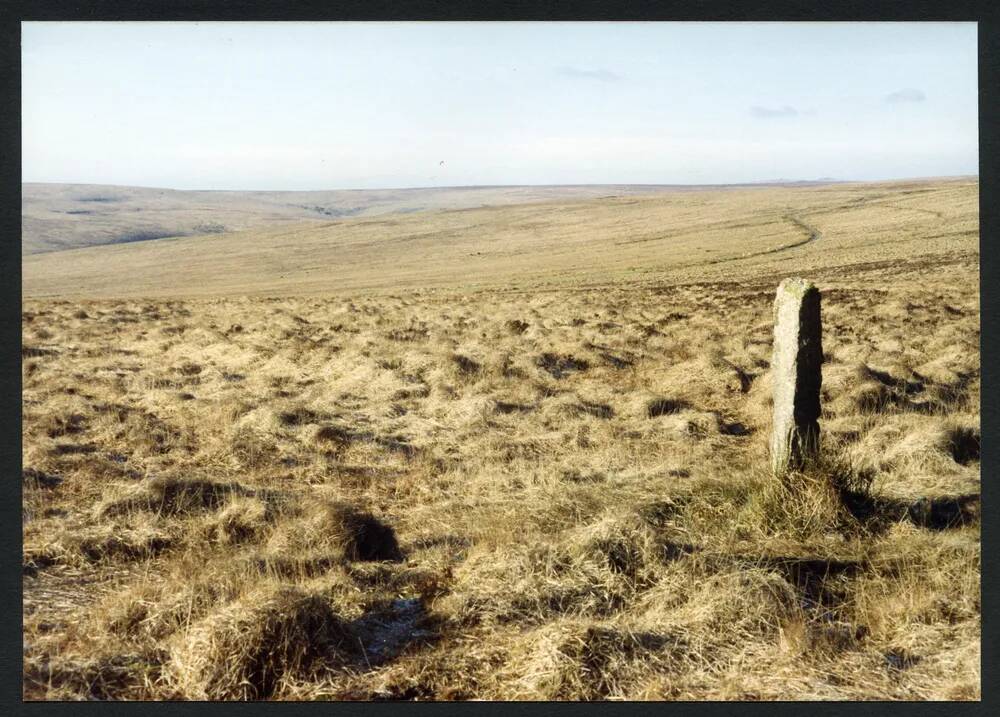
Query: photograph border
point(590, 10)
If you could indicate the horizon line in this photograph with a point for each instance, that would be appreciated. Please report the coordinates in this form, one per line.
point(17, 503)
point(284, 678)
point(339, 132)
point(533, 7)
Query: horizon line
point(757, 182)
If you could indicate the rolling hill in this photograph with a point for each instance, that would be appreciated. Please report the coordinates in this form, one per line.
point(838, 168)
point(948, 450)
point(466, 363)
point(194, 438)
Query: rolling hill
point(67, 216)
point(676, 235)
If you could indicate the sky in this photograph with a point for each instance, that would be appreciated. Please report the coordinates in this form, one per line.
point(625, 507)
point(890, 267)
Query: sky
point(297, 106)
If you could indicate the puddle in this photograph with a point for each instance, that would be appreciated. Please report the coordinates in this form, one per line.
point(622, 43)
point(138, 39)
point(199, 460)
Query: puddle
point(389, 631)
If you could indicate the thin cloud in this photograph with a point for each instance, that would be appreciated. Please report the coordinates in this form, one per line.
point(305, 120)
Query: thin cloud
point(768, 112)
point(908, 94)
point(585, 74)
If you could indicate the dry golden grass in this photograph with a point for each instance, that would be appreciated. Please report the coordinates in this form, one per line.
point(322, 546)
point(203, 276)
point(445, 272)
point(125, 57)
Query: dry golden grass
point(539, 475)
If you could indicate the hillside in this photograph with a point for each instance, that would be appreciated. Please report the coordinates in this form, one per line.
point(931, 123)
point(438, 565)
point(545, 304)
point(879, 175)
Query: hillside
point(689, 235)
point(67, 216)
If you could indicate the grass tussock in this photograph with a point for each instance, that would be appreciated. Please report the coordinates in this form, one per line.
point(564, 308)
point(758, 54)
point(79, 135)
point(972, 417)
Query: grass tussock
point(245, 649)
point(593, 571)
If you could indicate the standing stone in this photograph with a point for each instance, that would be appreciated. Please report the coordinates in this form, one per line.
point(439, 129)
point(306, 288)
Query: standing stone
point(796, 374)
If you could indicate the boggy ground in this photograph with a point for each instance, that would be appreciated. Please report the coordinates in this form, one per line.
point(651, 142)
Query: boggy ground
point(508, 495)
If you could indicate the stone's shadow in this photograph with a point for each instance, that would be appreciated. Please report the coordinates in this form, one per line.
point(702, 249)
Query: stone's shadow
point(879, 513)
point(921, 396)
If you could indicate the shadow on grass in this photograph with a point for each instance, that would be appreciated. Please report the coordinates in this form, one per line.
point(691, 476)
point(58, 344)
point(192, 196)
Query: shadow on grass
point(878, 513)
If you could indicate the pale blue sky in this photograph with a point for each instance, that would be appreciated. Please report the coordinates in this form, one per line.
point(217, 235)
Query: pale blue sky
point(367, 105)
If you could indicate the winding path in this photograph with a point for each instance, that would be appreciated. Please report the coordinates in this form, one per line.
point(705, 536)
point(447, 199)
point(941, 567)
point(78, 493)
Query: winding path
point(813, 234)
